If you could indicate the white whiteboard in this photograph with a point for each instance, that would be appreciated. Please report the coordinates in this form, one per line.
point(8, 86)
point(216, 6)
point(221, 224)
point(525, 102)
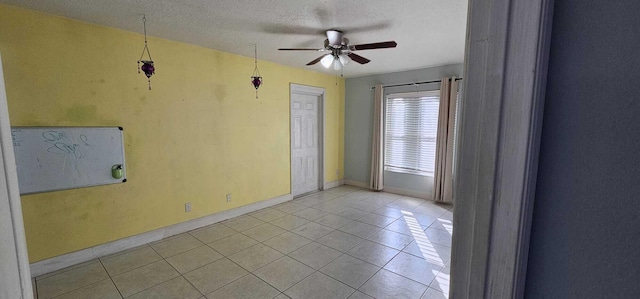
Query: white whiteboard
point(58, 158)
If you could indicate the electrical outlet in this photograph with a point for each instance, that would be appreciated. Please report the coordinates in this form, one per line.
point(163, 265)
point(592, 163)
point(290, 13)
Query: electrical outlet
point(229, 197)
point(187, 207)
point(337, 173)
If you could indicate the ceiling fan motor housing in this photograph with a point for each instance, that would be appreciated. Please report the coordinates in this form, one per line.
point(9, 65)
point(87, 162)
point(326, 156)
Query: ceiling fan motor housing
point(335, 38)
point(343, 46)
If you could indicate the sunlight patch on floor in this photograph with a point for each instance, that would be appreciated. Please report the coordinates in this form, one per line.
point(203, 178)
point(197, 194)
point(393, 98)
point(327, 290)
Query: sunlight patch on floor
point(442, 279)
point(447, 224)
point(426, 248)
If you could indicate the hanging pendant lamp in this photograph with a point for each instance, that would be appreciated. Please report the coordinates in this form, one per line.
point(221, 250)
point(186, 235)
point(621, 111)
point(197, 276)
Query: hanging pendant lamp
point(147, 65)
point(256, 79)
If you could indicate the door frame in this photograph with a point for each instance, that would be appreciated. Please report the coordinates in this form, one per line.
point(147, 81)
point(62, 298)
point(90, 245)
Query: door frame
point(14, 265)
point(501, 114)
point(321, 94)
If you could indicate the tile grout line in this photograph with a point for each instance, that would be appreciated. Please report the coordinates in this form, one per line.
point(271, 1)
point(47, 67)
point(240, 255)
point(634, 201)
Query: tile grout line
point(119, 253)
point(374, 274)
point(281, 292)
point(64, 270)
point(160, 241)
point(252, 272)
point(80, 287)
point(163, 259)
point(341, 281)
point(285, 231)
point(110, 278)
point(137, 248)
point(181, 275)
point(382, 268)
point(230, 282)
point(207, 244)
point(287, 255)
point(258, 277)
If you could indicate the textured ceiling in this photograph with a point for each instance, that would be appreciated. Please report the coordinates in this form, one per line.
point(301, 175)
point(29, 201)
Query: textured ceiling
point(428, 32)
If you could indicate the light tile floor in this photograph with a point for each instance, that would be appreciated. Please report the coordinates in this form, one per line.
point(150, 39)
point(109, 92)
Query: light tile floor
point(340, 243)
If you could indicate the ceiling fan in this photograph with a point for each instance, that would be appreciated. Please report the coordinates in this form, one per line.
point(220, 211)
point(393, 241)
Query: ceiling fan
point(341, 52)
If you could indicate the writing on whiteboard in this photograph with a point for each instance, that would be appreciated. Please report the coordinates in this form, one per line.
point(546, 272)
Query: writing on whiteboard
point(60, 144)
point(16, 141)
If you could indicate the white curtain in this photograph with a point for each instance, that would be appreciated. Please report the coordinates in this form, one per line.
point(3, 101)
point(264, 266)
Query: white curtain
point(377, 144)
point(443, 175)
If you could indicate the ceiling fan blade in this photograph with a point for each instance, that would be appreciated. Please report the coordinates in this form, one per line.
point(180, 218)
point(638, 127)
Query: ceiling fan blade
point(300, 49)
point(381, 45)
point(312, 62)
point(357, 58)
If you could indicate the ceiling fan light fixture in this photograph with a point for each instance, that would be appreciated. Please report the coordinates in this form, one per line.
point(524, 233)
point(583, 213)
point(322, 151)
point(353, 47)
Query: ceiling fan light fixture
point(337, 65)
point(327, 60)
point(344, 59)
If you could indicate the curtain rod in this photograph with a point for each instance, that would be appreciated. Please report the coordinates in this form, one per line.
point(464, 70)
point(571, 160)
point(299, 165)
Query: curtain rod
point(417, 83)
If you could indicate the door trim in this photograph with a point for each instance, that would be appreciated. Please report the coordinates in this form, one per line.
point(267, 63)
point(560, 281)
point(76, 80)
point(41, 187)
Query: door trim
point(16, 276)
point(320, 93)
point(501, 114)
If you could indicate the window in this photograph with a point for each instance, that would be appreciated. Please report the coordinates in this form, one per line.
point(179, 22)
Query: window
point(411, 124)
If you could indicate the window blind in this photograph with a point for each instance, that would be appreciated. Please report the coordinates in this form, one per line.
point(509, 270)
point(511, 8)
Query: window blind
point(411, 125)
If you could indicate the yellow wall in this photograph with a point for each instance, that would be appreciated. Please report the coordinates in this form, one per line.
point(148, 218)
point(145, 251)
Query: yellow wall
point(199, 134)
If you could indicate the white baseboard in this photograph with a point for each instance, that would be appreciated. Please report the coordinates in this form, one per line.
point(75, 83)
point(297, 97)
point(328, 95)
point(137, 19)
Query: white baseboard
point(407, 192)
point(394, 190)
point(356, 183)
point(333, 184)
point(73, 258)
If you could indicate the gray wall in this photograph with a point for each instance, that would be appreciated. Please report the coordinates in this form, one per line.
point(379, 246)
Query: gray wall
point(359, 122)
point(585, 240)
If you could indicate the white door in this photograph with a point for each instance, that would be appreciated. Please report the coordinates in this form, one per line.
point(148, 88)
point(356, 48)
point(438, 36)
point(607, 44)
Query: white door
point(304, 143)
